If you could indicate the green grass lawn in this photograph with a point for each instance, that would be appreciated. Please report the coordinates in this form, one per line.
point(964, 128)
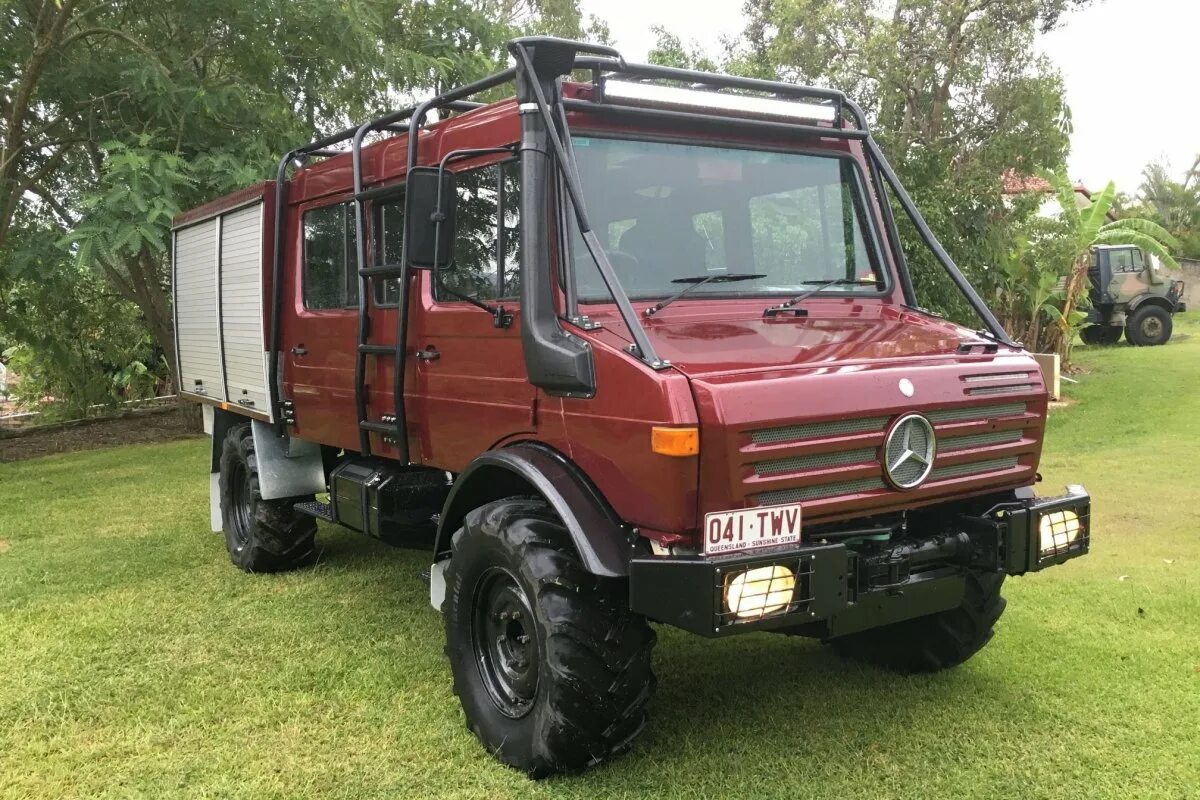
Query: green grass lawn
point(135, 661)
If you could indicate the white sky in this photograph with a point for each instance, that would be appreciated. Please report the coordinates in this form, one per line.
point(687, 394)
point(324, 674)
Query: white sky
point(1130, 66)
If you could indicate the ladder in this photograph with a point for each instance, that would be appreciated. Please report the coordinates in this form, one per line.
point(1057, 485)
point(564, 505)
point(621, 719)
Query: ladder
point(391, 427)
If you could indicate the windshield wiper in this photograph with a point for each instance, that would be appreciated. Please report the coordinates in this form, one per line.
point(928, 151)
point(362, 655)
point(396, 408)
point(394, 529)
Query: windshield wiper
point(696, 281)
point(818, 286)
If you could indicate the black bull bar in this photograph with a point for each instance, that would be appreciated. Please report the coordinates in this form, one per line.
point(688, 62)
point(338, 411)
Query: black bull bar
point(828, 590)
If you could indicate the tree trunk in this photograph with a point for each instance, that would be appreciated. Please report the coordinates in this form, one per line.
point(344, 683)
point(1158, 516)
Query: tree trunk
point(1061, 338)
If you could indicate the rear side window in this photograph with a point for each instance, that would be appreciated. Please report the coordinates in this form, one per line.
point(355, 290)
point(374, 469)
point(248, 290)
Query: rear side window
point(330, 265)
point(487, 236)
point(389, 242)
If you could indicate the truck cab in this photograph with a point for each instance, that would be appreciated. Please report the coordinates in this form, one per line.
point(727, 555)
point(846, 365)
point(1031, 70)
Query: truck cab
point(640, 348)
point(1129, 294)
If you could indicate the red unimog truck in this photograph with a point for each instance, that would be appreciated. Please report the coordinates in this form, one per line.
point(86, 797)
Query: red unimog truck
point(640, 347)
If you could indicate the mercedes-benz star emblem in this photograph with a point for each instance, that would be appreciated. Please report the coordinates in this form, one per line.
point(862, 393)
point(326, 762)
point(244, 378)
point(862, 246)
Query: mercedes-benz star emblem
point(908, 451)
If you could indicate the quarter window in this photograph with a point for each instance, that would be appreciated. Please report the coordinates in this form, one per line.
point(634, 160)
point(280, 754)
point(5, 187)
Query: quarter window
point(487, 236)
point(329, 259)
point(389, 233)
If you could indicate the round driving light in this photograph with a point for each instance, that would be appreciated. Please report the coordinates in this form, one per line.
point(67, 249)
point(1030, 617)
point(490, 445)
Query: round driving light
point(760, 591)
point(1059, 530)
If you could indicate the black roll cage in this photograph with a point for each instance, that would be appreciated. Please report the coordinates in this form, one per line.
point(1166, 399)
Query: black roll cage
point(541, 62)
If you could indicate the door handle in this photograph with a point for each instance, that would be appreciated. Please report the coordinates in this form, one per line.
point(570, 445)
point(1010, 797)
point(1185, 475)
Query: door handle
point(299, 350)
point(430, 353)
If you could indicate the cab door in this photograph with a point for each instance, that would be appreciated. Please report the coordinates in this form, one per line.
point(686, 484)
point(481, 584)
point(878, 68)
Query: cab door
point(470, 386)
point(320, 325)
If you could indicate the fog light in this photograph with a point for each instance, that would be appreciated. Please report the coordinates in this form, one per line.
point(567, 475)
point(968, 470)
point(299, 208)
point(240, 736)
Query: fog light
point(758, 592)
point(1059, 531)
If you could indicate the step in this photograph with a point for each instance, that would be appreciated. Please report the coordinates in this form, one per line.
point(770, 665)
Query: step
point(385, 271)
point(377, 349)
point(380, 427)
point(315, 508)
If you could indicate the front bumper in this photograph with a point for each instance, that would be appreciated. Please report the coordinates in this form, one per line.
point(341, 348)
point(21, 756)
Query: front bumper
point(834, 590)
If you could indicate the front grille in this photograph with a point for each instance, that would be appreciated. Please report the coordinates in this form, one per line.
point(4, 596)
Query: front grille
point(952, 443)
point(818, 461)
point(818, 492)
point(976, 412)
point(818, 430)
point(839, 472)
point(972, 468)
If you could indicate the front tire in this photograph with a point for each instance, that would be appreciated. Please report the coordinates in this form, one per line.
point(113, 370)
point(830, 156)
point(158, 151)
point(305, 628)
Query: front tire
point(261, 535)
point(1149, 326)
point(934, 642)
point(552, 669)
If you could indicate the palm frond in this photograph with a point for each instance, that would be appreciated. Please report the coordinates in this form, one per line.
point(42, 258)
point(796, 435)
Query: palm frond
point(1095, 214)
point(1146, 226)
point(1064, 190)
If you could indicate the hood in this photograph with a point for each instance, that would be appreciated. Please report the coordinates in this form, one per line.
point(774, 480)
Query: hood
point(714, 345)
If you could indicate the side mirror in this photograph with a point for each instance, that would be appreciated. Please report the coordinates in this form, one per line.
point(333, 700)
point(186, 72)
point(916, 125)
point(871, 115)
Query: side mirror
point(430, 198)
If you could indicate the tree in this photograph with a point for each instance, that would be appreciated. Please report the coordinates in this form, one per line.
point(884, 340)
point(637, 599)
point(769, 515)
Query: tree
point(1175, 205)
point(953, 90)
point(670, 51)
point(123, 113)
point(1086, 229)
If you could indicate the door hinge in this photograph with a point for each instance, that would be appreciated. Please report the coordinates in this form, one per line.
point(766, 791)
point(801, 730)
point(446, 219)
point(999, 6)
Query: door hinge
point(533, 412)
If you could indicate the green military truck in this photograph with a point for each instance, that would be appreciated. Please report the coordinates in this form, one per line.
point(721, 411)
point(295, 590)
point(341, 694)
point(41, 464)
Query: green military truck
point(1129, 293)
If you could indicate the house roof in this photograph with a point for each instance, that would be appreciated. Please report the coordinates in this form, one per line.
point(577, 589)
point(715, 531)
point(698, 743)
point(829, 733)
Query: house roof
point(1020, 184)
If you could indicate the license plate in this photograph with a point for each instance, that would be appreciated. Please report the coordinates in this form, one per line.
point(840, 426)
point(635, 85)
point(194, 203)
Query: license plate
point(751, 528)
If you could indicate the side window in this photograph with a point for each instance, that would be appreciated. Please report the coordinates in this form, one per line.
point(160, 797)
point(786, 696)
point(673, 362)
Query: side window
point(1137, 261)
point(1120, 260)
point(487, 238)
point(329, 277)
point(389, 233)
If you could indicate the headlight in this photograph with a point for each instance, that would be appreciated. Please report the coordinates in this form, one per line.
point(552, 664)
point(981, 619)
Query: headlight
point(757, 592)
point(1059, 531)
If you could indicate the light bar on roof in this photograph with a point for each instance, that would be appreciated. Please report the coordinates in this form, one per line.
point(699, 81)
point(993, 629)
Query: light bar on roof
point(649, 94)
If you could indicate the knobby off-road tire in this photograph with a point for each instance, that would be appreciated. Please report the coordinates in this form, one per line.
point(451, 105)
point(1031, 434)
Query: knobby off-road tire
point(261, 535)
point(1149, 325)
point(552, 668)
point(1100, 334)
point(934, 642)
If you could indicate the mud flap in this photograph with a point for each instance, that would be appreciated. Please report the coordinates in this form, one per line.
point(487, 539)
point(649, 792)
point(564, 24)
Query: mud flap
point(287, 467)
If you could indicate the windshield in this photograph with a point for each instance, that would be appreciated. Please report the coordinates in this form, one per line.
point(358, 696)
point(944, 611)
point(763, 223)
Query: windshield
point(673, 213)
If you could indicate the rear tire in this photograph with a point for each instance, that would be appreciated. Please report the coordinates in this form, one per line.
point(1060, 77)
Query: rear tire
point(552, 668)
point(1149, 326)
point(934, 642)
point(1100, 334)
point(261, 535)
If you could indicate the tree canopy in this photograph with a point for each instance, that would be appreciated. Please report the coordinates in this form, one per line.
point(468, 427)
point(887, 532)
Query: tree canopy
point(116, 115)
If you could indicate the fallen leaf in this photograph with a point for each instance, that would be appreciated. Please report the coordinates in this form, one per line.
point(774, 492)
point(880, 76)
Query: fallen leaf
point(1123, 578)
point(1168, 561)
point(4, 546)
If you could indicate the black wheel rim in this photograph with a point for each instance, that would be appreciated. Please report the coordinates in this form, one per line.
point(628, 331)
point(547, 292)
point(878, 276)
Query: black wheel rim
point(504, 637)
point(240, 498)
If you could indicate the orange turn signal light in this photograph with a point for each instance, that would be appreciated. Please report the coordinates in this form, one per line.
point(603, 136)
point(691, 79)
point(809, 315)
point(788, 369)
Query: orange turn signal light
point(675, 441)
